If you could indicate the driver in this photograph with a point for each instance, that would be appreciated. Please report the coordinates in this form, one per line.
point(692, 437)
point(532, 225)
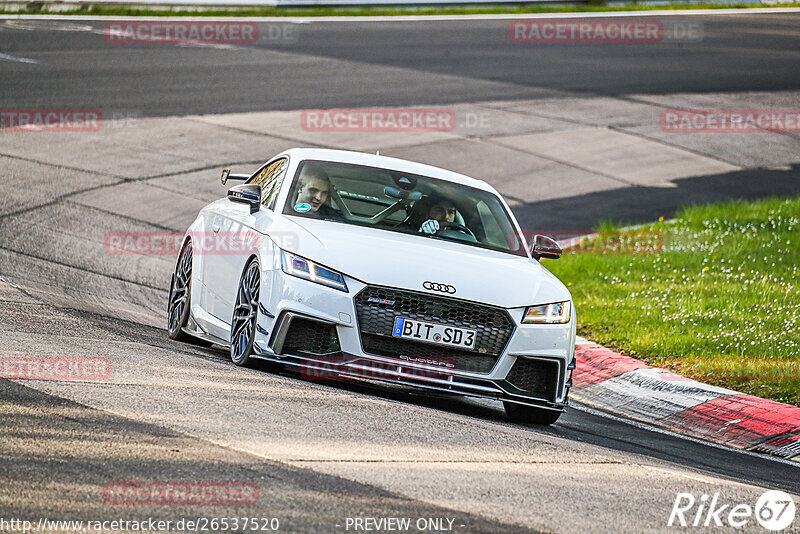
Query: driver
point(442, 211)
point(312, 193)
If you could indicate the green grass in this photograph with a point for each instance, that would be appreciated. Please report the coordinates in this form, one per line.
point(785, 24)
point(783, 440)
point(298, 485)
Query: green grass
point(37, 8)
point(716, 298)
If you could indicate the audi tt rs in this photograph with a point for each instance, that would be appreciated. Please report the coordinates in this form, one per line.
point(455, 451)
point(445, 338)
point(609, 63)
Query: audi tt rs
point(351, 265)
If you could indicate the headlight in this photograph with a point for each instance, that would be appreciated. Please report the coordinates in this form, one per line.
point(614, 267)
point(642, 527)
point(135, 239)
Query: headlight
point(555, 313)
point(308, 270)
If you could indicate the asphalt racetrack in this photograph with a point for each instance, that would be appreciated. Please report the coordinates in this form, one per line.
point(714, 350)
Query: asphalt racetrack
point(569, 133)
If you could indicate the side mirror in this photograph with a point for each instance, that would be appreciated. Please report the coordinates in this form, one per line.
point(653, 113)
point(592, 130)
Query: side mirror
point(246, 194)
point(226, 175)
point(545, 247)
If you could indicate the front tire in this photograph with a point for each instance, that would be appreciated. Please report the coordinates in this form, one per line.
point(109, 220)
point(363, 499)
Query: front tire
point(180, 289)
point(520, 413)
point(245, 315)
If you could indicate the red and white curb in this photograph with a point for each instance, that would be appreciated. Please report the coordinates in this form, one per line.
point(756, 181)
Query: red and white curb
point(613, 382)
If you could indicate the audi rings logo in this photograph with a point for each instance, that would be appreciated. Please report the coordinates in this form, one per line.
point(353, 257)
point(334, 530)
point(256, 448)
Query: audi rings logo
point(442, 288)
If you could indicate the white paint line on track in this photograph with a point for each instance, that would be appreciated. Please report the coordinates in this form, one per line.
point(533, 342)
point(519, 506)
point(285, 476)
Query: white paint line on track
point(433, 18)
point(15, 59)
point(20, 24)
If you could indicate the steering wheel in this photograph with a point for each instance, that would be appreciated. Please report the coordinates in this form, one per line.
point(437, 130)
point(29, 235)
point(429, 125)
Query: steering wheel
point(456, 226)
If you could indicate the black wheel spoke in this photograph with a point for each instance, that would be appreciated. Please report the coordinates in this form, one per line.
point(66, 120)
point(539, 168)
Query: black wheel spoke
point(239, 329)
point(176, 306)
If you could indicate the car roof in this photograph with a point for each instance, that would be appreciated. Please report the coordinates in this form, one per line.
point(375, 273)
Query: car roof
point(396, 164)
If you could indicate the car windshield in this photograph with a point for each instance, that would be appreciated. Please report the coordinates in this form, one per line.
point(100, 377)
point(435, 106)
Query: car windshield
point(396, 201)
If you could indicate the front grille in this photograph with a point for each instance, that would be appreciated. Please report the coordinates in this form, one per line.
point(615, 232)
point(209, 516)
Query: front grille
point(313, 337)
point(463, 360)
point(538, 378)
point(377, 308)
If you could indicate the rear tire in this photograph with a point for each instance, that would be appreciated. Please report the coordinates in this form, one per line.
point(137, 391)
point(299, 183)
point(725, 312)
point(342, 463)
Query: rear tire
point(520, 413)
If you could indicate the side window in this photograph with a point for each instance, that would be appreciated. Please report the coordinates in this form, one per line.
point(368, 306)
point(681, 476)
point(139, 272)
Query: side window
point(270, 179)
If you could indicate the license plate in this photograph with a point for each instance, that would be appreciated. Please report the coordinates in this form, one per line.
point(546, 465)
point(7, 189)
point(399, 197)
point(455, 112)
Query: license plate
point(439, 334)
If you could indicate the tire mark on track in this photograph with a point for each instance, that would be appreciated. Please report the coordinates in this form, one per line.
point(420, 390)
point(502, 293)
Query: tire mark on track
point(131, 331)
point(119, 215)
point(302, 142)
point(620, 129)
point(83, 269)
point(121, 180)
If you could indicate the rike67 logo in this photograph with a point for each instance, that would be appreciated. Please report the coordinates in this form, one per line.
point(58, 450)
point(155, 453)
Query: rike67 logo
point(774, 511)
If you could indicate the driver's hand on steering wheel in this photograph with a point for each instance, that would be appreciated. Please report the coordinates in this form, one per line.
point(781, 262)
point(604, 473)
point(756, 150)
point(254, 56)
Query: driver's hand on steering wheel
point(431, 226)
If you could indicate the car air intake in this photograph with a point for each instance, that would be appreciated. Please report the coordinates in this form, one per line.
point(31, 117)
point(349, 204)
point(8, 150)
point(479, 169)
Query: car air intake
point(310, 337)
point(535, 377)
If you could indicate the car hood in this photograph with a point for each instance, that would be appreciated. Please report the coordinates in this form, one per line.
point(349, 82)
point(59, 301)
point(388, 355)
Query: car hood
point(394, 259)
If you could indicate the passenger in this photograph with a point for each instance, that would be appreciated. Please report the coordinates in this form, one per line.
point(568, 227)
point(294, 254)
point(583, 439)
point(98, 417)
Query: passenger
point(313, 192)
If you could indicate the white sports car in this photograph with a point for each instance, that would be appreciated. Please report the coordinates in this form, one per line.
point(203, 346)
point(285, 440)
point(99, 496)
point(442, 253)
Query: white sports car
point(356, 265)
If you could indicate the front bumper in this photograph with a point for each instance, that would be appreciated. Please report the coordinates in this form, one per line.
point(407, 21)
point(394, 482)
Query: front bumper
point(323, 331)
